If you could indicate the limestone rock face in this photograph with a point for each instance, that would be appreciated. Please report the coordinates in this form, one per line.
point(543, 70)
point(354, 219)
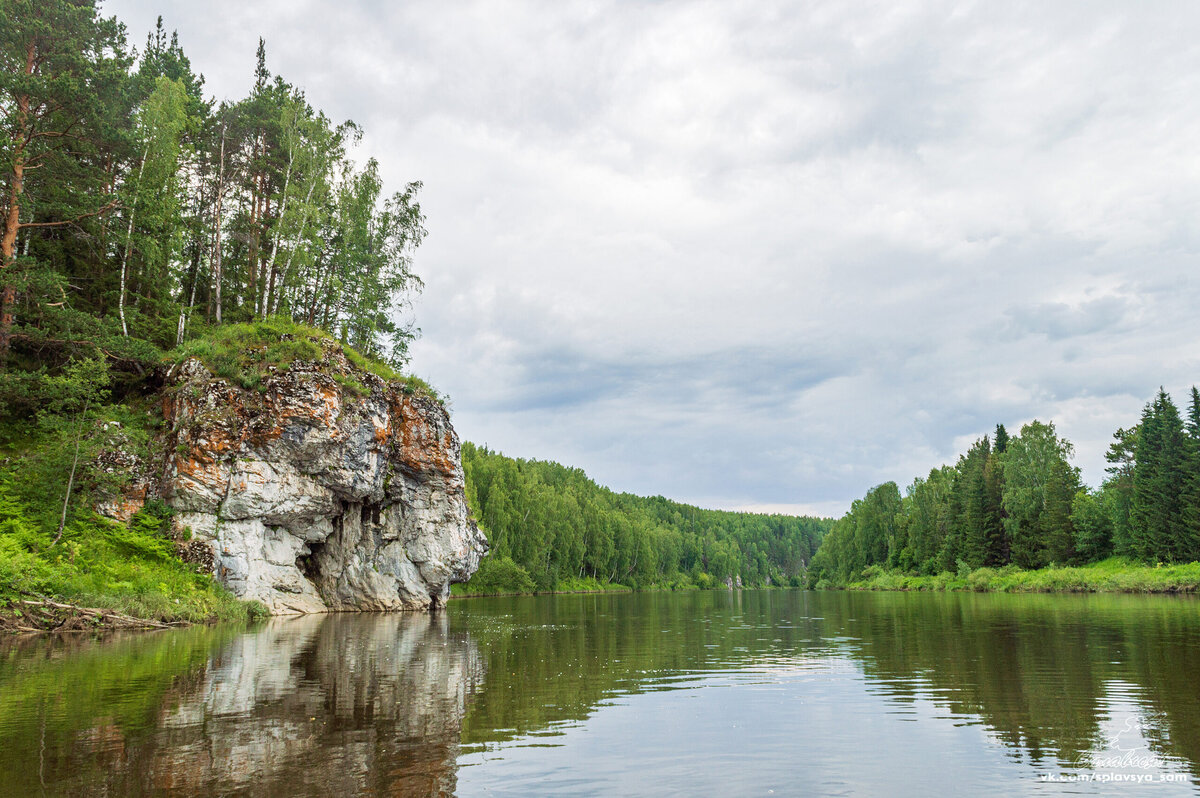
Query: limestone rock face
point(315, 494)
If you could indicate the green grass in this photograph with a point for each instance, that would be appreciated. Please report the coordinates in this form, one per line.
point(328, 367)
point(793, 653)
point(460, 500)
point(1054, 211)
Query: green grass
point(128, 568)
point(1114, 575)
point(244, 354)
point(100, 563)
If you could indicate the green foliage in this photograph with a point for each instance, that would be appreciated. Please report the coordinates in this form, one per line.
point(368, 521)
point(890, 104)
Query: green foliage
point(497, 575)
point(1022, 503)
point(166, 216)
point(1118, 488)
point(1092, 521)
point(1039, 487)
point(1160, 474)
point(1112, 575)
point(130, 568)
point(564, 530)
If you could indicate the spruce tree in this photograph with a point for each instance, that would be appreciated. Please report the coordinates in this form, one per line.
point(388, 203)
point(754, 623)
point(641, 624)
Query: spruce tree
point(1146, 522)
point(972, 501)
point(1118, 489)
point(1001, 439)
point(1189, 549)
point(1057, 531)
point(996, 539)
point(1156, 516)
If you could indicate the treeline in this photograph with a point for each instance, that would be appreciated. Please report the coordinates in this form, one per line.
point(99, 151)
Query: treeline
point(137, 211)
point(549, 525)
point(1020, 501)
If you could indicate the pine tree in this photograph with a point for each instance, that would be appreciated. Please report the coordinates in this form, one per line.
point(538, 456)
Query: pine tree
point(1156, 517)
point(1001, 439)
point(63, 68)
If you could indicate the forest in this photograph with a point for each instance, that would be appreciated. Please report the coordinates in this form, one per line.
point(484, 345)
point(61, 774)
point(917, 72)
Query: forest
point(551, 528)
point(139, 213)
point(1018, 501)
point(144, 222)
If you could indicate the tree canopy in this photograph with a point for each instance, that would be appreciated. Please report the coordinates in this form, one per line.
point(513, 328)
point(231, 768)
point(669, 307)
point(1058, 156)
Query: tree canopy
point(1022, 502)
point(139, 213)
point(556, 524)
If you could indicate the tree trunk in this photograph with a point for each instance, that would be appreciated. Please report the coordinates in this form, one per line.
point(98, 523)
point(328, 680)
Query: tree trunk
point(251, 275)
point(217, 241)
point(62, 522)
point(12, 220)
point(129, 241)
point(185, 312)
point(287, 268)
point(287, 178)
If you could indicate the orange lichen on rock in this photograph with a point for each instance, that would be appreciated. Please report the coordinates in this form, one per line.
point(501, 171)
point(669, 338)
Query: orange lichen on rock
point(124, 506)
point(419, 445)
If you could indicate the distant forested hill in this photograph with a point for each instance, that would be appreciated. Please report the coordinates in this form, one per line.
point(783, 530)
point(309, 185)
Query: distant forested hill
point(551, 527)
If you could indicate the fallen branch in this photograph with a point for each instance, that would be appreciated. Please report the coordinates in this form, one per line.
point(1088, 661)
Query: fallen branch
point(108, 618)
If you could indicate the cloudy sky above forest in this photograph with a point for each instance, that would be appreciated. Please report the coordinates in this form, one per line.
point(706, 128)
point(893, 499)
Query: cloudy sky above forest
point(767, 255)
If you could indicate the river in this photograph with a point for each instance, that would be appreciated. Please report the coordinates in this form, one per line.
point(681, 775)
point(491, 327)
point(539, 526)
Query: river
point(699, 693)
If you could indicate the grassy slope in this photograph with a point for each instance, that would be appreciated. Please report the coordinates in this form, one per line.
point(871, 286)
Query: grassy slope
point(100, 563)
point(1114, 575)
point(242, 353)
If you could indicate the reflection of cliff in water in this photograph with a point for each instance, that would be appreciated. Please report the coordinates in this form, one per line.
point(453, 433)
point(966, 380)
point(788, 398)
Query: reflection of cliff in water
point(387, 704)
point(334, 704)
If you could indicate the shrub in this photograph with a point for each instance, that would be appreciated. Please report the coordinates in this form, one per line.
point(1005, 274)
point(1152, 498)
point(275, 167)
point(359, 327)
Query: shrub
point(497, 575)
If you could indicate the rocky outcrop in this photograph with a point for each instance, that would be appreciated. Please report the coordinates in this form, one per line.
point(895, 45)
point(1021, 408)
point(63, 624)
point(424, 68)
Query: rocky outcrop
point(326, 488)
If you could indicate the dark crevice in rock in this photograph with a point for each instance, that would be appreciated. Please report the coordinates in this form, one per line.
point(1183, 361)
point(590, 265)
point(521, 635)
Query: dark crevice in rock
point(309, 564)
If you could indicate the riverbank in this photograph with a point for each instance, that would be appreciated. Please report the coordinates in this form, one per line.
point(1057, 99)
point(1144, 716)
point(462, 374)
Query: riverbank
point(1114, 575)
point(516, 587)
point(31, 616)
point(100, 574)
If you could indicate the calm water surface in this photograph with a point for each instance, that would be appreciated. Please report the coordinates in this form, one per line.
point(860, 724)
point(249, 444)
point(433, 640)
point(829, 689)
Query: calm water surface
point(714, 693)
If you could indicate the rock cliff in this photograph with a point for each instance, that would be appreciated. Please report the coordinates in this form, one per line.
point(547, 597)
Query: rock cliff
point(325, 488)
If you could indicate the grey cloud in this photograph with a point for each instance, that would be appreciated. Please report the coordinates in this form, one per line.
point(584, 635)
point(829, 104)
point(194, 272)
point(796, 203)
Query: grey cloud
point(1058, 321)
point(771, 253)
point(754, 378)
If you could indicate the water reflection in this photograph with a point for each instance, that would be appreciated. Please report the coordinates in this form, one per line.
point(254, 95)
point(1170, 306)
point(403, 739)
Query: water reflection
point(1048, 679)
point(633, 694)
point(303, 706)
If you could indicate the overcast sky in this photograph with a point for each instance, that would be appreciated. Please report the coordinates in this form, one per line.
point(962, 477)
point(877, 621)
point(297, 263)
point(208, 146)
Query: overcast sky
point(767, 255)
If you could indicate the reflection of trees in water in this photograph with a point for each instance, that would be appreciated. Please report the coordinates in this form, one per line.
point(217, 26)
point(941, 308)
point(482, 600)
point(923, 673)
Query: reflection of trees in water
point(337, 704)
point(347, 704)
point(552, 659)
point(1041, 671)
point(1038, 670)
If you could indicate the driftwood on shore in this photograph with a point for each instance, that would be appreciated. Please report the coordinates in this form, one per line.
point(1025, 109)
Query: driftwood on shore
point(46, 615)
